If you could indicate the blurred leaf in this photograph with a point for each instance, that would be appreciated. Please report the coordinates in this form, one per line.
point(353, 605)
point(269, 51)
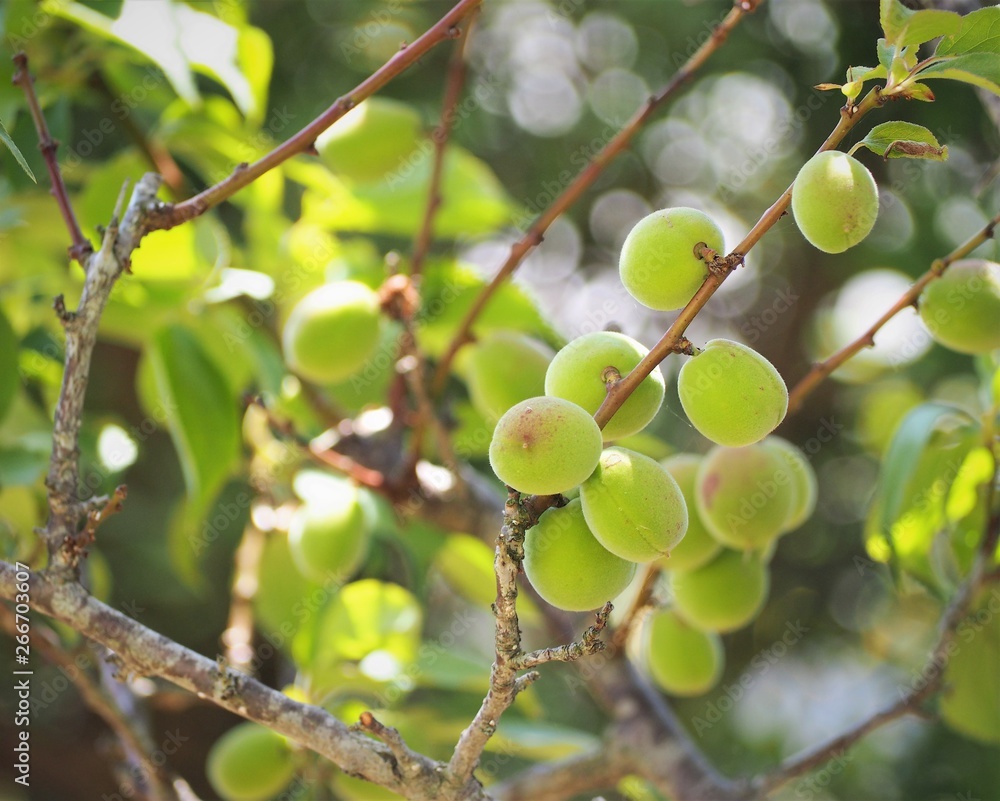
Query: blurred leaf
point(21, 464)
point(452, 669)
point(201, 414)
point(979, 32)
point(971, 700)
point(285, 600)
point(5, 138)
point(904, 140)
point(10, 378)
point(179, 39)
point(539, 740)
point(904, 27)
point(474, 202)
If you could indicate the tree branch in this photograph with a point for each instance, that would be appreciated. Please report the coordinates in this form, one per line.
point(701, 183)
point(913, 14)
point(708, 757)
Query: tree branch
point(618, 144)
point(582, 774)
point(170, 215)
point(867, 340)
point(81, 247)
point(142, 651)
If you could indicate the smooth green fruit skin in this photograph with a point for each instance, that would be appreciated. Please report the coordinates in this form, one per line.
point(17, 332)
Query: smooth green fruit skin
point(332, 331)
point(505, 368)
point(962, 307)
point(658, 265)
point(682, 659)
point(698, 546)
point(745, 496)
point(633, 506)
point(371, 140)
point(566, 564)
point(544, 446)
point(804, 485)
point(250, 763)
point(725, 594)
point(577, 374)
point(330, 538)
point(731, 394)
point(834, 201)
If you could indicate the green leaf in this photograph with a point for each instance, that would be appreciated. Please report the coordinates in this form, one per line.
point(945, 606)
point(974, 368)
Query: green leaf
point(201, 415)
point(886, 53)
point(978, 69)
point(538, 740)
point(970, 703)
point(904, 140)
point(10, 378)
point(181, 40)
point(978, 33)
point(5, 138)
point(904, 27)
point(923, 460)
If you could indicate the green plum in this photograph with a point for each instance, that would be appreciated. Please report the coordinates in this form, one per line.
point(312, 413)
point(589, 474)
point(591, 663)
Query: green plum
point(698, 546)
point(803, 481)
point(566, 564)
point(332, 331)
point(962, 307)
point(505, 368)
point(723, 595)
point(371, 140)
point(329, 536)
point(581, 371)
point(732, 394)
point(745, 496)
point(633, 506)
point(659, 266)
point(250, 763)
point(834, 201)
point(544, 446)
point(683, 660)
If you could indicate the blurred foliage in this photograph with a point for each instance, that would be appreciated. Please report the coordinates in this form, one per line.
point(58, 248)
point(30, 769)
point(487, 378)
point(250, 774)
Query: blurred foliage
point(194, 89)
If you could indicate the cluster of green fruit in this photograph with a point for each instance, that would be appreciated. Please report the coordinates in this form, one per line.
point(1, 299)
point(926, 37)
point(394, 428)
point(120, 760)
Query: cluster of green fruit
point(741, 501)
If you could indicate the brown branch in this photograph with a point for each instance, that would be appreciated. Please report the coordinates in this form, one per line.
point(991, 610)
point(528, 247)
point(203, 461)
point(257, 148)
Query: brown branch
point(238, 636)
point(455, 82)
point(142, 651)
point(590, 643)
point(102, 270)
point(720, 269)
point(446, 28)
point(640, 602)
point(583, 774)
point(618, 144)
point(81, 249)
point(820, 371)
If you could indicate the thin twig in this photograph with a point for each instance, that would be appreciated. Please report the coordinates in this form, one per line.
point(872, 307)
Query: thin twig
point(81, 247)
point(640, 602)
point(618, 144)
point(238, 636)
point(819, 371)
point(721, 269)
point(446, 28)
point(590, 643)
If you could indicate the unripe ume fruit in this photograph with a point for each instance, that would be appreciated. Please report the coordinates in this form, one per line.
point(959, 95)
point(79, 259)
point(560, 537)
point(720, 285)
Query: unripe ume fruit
point(659, 266)
point(581, 371)
point(633, 506)
point(682, 659)
point(332, 331)
point(505, 368)
point(834, 201)
point(803, 481)
point(371, 140)
point(544, 446)
point(962, 307)
point(732, 394)
point(725, 594)
point(566, 564)
point(698, 546)
point(250, 763)
point(329, 535)
point(745, 496)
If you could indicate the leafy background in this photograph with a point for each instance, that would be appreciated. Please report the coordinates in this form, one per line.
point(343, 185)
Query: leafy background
point(193, 329)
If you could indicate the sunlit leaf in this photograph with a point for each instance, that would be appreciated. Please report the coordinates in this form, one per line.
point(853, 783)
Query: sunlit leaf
point(904, 140)
point(904, 27)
